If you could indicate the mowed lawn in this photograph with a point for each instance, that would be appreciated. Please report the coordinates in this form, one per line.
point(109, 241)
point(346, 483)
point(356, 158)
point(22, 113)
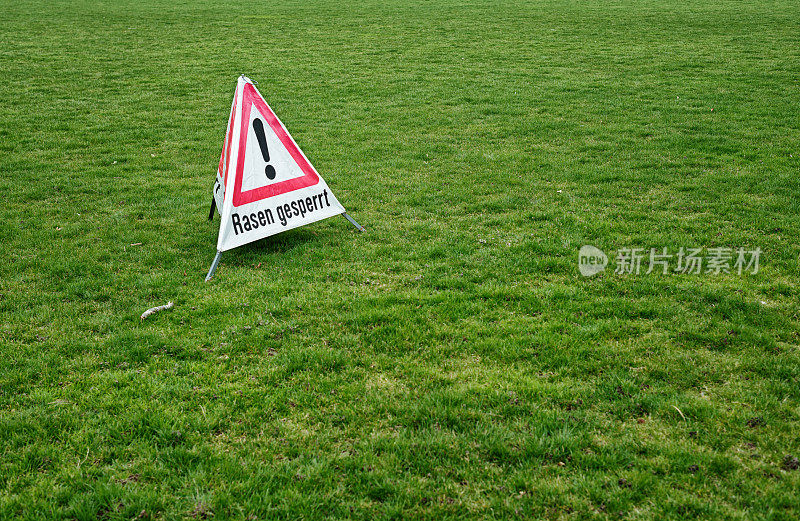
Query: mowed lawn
point(452, 362)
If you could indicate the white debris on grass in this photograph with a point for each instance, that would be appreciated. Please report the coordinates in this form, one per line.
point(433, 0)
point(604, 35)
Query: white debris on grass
point(157, 308)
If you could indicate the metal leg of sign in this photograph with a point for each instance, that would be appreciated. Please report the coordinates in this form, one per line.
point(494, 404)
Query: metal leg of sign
point(213, 266)
point(213, 207)
point(353, 222)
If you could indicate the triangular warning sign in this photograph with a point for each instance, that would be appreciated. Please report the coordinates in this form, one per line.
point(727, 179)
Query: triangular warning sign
point(265, 184)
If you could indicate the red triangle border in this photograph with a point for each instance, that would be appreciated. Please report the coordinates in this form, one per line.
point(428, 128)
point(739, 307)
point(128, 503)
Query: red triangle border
point(310, 176)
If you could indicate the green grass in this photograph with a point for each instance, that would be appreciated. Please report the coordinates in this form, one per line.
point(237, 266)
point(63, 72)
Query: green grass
point(451, 362)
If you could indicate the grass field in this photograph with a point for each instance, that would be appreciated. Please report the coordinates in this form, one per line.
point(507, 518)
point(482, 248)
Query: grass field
point(451, 362)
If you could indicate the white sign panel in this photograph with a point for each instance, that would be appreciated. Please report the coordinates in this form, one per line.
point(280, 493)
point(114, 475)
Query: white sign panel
point(265, 184)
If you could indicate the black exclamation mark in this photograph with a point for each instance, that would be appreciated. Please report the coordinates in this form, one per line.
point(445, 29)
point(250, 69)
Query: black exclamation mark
point(258, 126)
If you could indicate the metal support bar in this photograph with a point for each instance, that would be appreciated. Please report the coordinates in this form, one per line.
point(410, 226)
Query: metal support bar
point(213, 207)
point(353, 222)
point(213, 266)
